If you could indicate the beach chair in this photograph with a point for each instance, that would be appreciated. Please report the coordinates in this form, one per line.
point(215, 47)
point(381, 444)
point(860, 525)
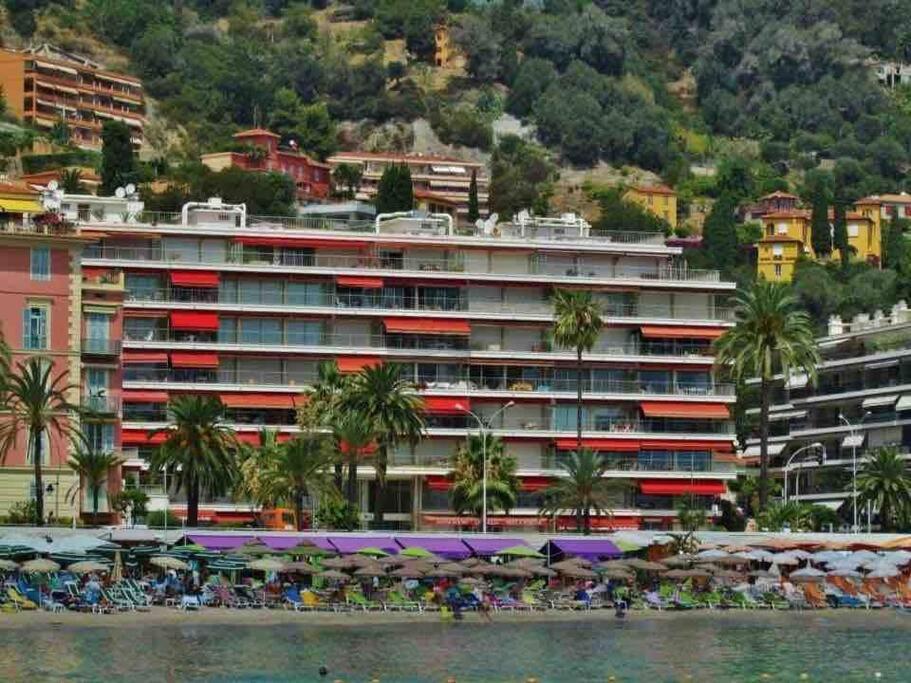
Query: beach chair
point(743, 600)
point(189, 603)
point(775, 600)
point(654, 601)
point(51, 604)
point(359, 601)
point(247, 596)
point(18, 600)
point(397, 602)
point(814, 596)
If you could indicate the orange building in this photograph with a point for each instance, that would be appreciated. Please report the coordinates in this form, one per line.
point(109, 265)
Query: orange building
point(657, 199)
point(44, 85)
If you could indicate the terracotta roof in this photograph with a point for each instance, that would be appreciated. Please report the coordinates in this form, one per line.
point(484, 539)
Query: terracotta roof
point(425, 194)
point(653, 189)
point(886, 198)
point(396, 156)
point(17, 187)
point(791, 213)
point(256, 133)
point(778, 194)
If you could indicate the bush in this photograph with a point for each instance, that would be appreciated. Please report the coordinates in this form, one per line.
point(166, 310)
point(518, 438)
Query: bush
point(338, 515)
point(156, 518)
point(23, 512)
point(462, 125)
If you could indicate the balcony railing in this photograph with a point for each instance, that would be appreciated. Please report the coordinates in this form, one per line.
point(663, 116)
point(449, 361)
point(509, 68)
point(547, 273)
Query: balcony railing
point(34, 342)
point(100, 347)
point(389, 302)
point(674, 462)
point(101, 404)
point(283, 260)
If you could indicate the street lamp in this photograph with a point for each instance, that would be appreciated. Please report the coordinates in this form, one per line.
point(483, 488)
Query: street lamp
point(787, 467)
point(483, 427)
point(852, 428)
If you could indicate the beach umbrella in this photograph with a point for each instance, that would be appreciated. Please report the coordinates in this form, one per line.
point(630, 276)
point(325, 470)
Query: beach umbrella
point(8, 565)
point(470, 581)
point(40, 566)
point(168, 562)
point(519, 551)
point(306, 549)
point(737, 548)
point(578, 572)
point(299, 567)
point(145, 550)
point(645, 565)
point(418, 552)
point(678, 574)
point(407, 573)
point(333, 575)
point(254, 547)
point(844, 563)
point(759, 555)
point(266, 564)
point(712, 554)
point(785, 560)
point(845, 573)
point(392, 561)
point(726, 574)
point(731, 560)
point(613, 564)
point(884, 572)
point(826, 556)
point(87, 567)
point(865, 555)
point(569, 564)
point(225, 566)
point(523, 563)
point(677, 561)
point(472, 561)
point(801, 554)
point(698, 573)
point(347, 562)
point(451, 567)
point(437, 573)
point(370, 572)
point(373, 552)
point(806, 575)
point(617, 575)
point(763, 574)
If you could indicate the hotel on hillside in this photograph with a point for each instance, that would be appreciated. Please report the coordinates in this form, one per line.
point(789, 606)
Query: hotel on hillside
point(221, 303)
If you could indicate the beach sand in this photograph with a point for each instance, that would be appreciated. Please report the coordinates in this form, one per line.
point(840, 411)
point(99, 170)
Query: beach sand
point(164, 616)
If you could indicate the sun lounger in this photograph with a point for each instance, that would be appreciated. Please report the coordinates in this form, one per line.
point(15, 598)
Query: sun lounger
point(189, 603)
point(396, 601)
point(814, 595)
point(654, 601)
point(18, 600)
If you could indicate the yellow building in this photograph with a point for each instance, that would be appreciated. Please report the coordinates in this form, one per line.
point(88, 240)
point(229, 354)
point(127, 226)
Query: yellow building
point(657, 199)
point(442, 41)
point(787, 236)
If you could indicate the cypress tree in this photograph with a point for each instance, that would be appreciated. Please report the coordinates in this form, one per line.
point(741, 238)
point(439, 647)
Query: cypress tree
point(820, 232)
point(719, 234)
point(395, 192)
point(474, 212)
point(840, 232)
point(117, 161)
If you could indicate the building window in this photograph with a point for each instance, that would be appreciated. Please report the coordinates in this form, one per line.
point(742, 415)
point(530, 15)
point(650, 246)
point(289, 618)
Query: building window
point(853, 230)
point(40, 268)
point(99, 436)
point(35, 327)
point(778, 270)
point(782, 228)
point(777, 250)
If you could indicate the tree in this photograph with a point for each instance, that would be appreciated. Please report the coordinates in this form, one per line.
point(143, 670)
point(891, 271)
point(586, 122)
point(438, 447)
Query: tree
point(297, 470)
point(117, 162)
point(690, 516)
point(310, 126)
point(199, 451)
point(347, 176)
point(521, 177)
point(885, 484)
point(474, 212)
point(252, 463)
point(895, 249)
point(395, 191)
point(37, 404)
point(354, 439)
point(581, 488)
point(131, 502)
point(719, 235)
point(577, 325)
point(324, 404)
point(380, 394)
point(92, 467)
point(71, 181)
point(619, 214)
point(59, 133)
point(820, 230)
point(467, 494)
point(793, 515)
point(771, 335)
point(840, 232)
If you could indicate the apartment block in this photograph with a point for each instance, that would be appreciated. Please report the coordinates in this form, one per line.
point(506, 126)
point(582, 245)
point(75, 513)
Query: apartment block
point(45, 85)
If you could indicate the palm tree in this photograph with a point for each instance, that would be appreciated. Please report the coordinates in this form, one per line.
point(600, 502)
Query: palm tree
point(252, 462)
point(323, 404)
point(884, 483)
point(577, 324)
point(582, 489)
point(354, 437)
point(771, 335)
point(71, 181)
point(38, 405)
point(200, 450)
point(297, 470)
point(92, 468)
point(467, 476)
point(380, 394)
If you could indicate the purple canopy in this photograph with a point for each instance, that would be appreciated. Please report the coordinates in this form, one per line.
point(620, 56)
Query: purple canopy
point(450, 548)
point(351, 544)
point(589, 548)
point(285, 542)
point(220, 541)
point(490, 546)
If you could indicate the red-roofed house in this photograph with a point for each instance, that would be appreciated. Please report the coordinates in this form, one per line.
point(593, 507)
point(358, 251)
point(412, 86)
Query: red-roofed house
point(660, 200)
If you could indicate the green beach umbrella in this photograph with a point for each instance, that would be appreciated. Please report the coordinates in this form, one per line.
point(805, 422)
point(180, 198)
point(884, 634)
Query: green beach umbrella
point(414, 551)
point(626, 546)
point(373, 552)
point(145, 550)
point(519, 551)
point(307, 550)
point(8, 565)
point(254, 548)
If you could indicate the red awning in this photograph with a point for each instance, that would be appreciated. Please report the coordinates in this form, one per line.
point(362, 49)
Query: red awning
point(656, 332)
point(438, 483)
point(140, 437)
point(93, 272)
point(356, 363)
point(369, 449)
point(436, 405)
point(194, 359)
point(194, 321)
point(194, 278)
point(612, 523)
point(270, 401)
point(426, 326)
point(145, 357)
point(145, 396)
point(682, 445)
point(679, 487)
point(361, 282)
point(535, 483)
point(712, 411)
point(251, 438)
point(625, 445)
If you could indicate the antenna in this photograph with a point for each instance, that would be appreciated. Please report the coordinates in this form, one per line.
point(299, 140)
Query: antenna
point(120, 193)
point(53, 185)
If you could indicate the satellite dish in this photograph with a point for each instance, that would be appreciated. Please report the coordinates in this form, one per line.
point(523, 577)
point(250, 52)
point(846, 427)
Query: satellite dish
point(131, 188)
point(120, 193)
point(53, 185)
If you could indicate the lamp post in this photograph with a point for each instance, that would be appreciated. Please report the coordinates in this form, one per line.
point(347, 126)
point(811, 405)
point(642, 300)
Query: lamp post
point(852, 429)
point(787, 467)
point(483, 427)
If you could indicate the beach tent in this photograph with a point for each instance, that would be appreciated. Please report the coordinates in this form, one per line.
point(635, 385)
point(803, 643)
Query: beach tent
point(441, 546)
point(351, 544)
point(592, 549)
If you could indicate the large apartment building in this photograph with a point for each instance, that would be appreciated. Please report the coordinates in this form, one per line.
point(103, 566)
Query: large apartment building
point(861, 401)
point(45, 85)
point(70, 317)
point(440, 183)
point(221, 303)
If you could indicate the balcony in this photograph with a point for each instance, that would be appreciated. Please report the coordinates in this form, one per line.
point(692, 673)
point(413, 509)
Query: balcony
point(100, 405)
point(108, 281)
point(92, 346)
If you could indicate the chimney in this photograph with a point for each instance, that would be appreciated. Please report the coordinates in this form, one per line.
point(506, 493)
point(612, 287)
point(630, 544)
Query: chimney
point(900, 312)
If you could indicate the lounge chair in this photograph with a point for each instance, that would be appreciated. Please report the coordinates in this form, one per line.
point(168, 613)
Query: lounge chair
point(360, 601)
point(247, 594)
point(18, 600)
point(189, 603)
point(654, 601)
point(396, 601)
point(814, 596)
point(775, 600)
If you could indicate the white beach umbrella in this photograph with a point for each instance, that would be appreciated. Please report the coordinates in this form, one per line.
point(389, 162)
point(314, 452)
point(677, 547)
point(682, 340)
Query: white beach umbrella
point(712, 554)
point(807, 574)
point(897, 557)
point(826, 556)
point(759, 555)
point(785, 560)
point(884, 572)
point(844, 563)
point(846, 573)
point(865, 555)
point(800, 554)
point(40, 566)
point(168, 562)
